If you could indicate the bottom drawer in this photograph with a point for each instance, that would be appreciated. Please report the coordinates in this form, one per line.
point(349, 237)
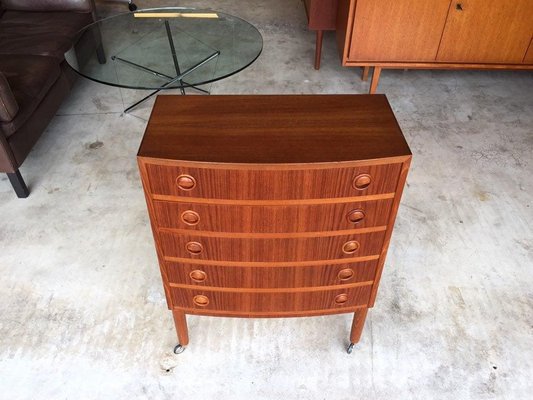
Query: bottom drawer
point(269, 302)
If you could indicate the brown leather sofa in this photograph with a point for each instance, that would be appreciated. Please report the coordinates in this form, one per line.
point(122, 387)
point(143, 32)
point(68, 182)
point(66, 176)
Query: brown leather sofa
point(34, 77)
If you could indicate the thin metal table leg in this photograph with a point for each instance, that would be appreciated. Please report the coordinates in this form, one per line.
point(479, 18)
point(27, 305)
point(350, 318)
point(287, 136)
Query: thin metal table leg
point(196, 88)
point(174, 56)
point(176, 79)
point(127, 110)
point(154, 72)
point(138, 66)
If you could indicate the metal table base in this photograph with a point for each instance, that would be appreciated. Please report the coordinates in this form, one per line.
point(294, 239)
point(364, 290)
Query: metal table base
point(171, 79)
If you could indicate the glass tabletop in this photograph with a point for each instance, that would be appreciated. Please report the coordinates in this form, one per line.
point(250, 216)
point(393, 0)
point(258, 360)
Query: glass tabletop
point(164, 48)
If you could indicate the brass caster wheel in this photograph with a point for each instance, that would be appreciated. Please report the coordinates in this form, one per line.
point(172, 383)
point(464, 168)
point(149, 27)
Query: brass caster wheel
point(350, 348)
point(179, 349)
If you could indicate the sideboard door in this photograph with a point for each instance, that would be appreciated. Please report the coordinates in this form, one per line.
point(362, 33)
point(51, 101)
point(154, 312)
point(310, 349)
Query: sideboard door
point(487, 31)
point(528, 59)
point(397, 30)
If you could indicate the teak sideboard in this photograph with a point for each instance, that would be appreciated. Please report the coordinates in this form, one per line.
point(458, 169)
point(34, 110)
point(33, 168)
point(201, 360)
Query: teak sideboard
point(272, 206)
point(438, 34)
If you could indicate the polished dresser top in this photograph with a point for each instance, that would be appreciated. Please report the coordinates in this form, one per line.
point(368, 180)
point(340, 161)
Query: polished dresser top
point(267, 129)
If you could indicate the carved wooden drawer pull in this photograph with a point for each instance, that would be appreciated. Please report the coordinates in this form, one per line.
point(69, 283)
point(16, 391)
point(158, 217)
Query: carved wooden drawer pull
point(197, 275)
point(341, 299)
point(361, 182)
point(346, 274)
point(186, 182)
point(194, 248)
point(355, 216)
point(350, 247)
point(200, 300)
point(190, 217)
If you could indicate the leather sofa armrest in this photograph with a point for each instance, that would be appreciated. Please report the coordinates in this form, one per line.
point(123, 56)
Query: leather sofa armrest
point(8, 104)
point(49, 5)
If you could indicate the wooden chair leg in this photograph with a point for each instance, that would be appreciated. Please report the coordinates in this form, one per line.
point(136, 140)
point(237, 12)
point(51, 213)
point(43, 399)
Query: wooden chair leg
point(180, 321)
point(318, 48)
point(358, 323)
point(375, 80)
point(364, 76)
point(18, 184)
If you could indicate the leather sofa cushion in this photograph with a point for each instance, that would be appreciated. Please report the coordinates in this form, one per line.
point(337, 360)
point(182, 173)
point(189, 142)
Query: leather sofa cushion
point(38, 33)
point(30, 78)
point(49, 5)
point(8, 104)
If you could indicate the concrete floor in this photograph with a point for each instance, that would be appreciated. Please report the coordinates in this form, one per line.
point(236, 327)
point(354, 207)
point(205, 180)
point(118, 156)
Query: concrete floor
point(82, 310)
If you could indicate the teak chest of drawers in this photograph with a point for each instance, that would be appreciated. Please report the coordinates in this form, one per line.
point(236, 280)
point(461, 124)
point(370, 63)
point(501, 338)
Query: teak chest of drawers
point(272, 206)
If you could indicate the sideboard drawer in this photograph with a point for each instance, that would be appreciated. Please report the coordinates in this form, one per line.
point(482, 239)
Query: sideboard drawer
point(250, 302)
point(271, 219)
point(270, 277)
point(240, 184)
point(271, 250)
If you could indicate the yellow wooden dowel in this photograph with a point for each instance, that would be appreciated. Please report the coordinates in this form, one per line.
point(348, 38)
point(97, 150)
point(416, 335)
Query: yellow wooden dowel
point(175, 15)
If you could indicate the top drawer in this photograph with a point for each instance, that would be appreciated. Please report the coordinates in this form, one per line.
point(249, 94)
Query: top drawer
point(240, 184)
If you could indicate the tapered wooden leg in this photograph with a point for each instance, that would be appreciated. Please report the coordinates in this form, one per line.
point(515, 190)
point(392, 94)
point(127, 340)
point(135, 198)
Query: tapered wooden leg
point(18, 184)
point(364, 76)
point(181, 327)
point(318, 48)
point(358, 323)
point(375, 80)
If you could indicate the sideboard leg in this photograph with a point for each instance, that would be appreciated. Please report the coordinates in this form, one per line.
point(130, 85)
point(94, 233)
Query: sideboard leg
point(180, 321)
point(358, 323)
point(364, 76)
point(318, 48)
point(375, 80)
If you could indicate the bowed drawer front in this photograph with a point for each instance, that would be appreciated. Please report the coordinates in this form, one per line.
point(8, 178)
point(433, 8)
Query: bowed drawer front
point(296, 184)
point(279, 206)
point(271, 276)
point(202, 301)
point(219, 248)
point(272, 219)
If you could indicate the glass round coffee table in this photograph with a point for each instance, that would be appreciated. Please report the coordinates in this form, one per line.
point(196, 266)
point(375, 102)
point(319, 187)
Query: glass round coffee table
point(164, 48)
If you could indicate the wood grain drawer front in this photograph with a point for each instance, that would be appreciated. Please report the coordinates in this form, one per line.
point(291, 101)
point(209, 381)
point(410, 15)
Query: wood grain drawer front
point(270, 277)
point(271, 219)
point(270, 250)
point(250, 302)
point(239, 184)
